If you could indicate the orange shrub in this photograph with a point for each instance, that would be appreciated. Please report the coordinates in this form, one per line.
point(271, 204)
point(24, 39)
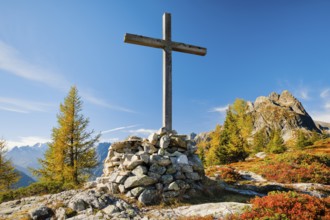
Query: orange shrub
point(227, 174)
point(288, 205)
point(296, 168)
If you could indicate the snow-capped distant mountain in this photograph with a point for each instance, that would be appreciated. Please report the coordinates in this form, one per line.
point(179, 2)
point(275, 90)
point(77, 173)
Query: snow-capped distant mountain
point(26, 157)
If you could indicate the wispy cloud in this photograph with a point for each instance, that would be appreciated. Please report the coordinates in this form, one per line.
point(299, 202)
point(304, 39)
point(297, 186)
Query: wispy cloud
point(25, 141)
point(321, 116)
point(303, 93)
point(118, 129)
point(13, 110)
point(22, 106)
point(221, 109)
point(325, 93)
point(12, 62)
point(100, 102)
point(142, 131)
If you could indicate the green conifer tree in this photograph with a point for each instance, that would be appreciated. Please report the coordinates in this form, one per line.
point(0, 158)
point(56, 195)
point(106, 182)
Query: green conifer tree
point(260, 141)
point(276, 143)
point(8, 176)
point(302, 140)
point(71, 154)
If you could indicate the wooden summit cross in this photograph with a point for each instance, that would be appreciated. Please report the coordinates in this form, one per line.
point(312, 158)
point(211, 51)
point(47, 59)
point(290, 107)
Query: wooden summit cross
point(167, 45)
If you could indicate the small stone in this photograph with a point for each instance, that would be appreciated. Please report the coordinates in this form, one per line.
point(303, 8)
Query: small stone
point(161, 152)
point(176, 154)
point(182, 184)
point(142, 180)
point(110, 209)
point(164, 161)
point(171, 169)
point(129, 194)
point(112, 178)
point(122, 188)
point(121, 179)
point(156, 176)
point(78, 205)
point(149, 148)
point(180, 142)
point(166, 179)
point(113, 188)
point(155, 168)
point(153, 138)
point(173, 186)
point(145, 157)
point(183, 159)
point(137, 191)
point(149, 197)
point(134, 138)
point(162, 131)
point(186, 168)
point(131, 163)
point(118, 145)
point(155, 158)
point(196, 163)
point(179, 176)
point(171, 194)
point(164, 142)
point(193, 176)
point(140, 170)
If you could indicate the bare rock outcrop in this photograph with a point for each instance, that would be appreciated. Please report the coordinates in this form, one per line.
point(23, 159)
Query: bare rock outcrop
point(280, 111)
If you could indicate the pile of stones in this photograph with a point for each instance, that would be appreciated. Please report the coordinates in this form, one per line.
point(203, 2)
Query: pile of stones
point(162, 167)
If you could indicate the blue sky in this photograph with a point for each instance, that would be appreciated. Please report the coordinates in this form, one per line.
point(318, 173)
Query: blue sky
point(254, 48)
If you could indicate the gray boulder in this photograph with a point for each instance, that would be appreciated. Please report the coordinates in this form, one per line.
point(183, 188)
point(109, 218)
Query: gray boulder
point(149, 197)
point(155, 168)
point(41, 213)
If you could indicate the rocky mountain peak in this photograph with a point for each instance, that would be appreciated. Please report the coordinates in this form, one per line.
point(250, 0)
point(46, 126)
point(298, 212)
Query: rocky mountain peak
point(280, 111)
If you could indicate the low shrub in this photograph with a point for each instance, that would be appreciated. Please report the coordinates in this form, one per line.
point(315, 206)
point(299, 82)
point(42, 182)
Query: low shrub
point(227, 174)
point(286, 206)
point(296, 168)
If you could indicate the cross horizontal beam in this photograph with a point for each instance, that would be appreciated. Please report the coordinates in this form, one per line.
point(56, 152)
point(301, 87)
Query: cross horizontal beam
point(160, 43)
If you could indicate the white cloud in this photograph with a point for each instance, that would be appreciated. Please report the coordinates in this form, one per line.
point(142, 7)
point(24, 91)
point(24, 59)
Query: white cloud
point(12, 62)
point(325, 93)
point(321, 116)
point(142, 131)
point(24, 141)
point(100, 102)
point(221, 109)
point(118, 129)
point(327, 106)
point(13, 110)
point(22, 106)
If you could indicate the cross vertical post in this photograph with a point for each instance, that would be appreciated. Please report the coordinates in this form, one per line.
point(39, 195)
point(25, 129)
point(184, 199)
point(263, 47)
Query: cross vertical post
point(167, 73)
point(168, 46)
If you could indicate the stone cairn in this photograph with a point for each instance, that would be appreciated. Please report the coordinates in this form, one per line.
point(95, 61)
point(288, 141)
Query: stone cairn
point(161, 168)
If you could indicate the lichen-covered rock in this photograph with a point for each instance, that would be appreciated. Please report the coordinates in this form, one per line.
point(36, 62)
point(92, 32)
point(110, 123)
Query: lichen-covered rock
point(155, 168)
point(165, 179)
point(149, 197)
